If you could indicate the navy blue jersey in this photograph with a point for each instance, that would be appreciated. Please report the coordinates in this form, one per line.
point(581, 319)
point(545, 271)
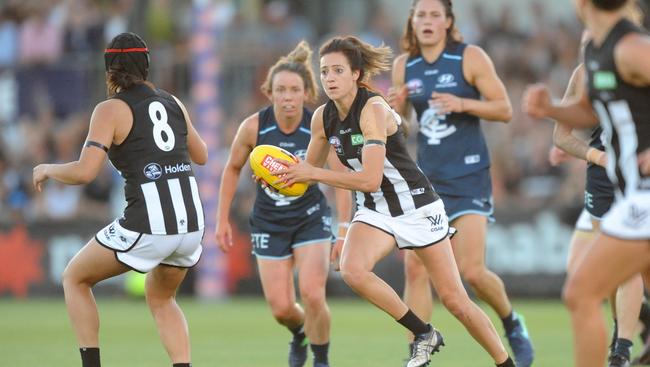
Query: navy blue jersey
point(271, 206)
point(449, 145)
point(622, 109)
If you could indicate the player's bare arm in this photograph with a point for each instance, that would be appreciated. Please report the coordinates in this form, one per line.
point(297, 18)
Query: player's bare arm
point(398, 93)
point(103, 124)
point(241, 147)
point(196, 147)
point(479, 72)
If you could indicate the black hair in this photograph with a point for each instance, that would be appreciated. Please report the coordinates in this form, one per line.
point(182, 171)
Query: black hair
point(126, 59)
point(609, 4)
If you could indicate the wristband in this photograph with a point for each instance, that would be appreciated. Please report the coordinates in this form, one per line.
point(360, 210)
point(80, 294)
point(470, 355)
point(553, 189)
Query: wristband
point(344, 224)
point(340, 238)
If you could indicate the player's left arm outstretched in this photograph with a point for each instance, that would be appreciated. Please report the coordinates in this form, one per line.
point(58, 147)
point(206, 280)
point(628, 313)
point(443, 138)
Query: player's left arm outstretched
point(103, 123)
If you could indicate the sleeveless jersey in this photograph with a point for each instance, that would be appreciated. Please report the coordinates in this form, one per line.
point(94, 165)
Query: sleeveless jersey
point(450, 145)
point(404, 187)
point(271, 206)
point(161, 192)
point(622, 109)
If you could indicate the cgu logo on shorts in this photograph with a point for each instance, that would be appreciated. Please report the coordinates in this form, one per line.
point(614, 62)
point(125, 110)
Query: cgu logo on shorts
point(436, 222)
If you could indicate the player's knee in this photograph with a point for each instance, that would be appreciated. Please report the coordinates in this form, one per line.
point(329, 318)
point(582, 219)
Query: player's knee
point(282, 311)
point(570, 296)
point(473, 275)
point(353, 276)
point(456, 303)
point(71, 278)
point(313, 297)
point(415, 272)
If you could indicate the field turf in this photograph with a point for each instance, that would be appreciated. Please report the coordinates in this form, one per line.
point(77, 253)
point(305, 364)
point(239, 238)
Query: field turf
point(241, 333)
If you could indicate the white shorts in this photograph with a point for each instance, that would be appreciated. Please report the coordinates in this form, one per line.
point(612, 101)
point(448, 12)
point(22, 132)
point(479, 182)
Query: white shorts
point(629, 217)
point(422, 227)
point(584, 222)
point(142, 252)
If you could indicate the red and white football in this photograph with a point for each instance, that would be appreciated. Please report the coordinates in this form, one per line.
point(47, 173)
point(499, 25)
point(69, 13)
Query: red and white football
point(263, 161)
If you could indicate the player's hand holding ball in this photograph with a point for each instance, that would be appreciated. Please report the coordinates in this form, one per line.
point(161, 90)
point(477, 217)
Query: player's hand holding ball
point(270, 165)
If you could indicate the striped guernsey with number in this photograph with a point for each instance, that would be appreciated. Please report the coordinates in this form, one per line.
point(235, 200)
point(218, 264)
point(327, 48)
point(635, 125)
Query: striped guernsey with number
point(404, 187)
point(623, 111)
point(161, 192)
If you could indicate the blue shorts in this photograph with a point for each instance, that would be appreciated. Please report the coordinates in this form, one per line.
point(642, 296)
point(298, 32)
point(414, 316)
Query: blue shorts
point(470, 194)
point(272, 240)
point(599, 192)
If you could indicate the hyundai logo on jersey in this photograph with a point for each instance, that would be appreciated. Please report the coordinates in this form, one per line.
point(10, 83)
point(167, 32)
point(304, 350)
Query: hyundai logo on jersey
point(152, 171)
point(446, 81)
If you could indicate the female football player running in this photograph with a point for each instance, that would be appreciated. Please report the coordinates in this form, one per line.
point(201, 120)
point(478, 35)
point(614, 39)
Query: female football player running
point(396, 203)
point(287, 232)
point(616, 97)
point(452, 86)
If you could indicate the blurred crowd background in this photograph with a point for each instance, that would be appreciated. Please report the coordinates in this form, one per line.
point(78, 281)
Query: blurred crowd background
point(52, 75)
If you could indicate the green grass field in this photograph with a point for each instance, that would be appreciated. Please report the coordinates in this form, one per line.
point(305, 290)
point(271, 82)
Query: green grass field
point(241, 333)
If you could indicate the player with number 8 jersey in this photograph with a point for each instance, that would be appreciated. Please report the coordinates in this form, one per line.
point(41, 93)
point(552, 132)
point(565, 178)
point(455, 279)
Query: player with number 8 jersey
point(161, 190)
point(151, 141)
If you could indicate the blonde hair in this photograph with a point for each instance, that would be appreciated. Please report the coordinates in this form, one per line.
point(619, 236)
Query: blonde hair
point(297, 61)
point(410, 42)
point(365, 58)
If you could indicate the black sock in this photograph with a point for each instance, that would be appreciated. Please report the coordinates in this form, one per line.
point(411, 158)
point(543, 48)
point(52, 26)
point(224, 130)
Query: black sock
point(508, 363)
point(510, 322)
point(644, 314)
point(414, 324)
point(614, 337)
point(320, 352)
point(182, 365)
point(298, 332)
point(90, 357)
point(623, 347)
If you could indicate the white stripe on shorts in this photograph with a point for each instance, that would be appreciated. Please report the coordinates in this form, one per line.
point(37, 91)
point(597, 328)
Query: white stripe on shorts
point(197, 202)
point(178, 203)
point(154, 208)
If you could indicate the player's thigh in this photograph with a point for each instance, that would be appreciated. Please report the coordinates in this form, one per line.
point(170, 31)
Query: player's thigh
point(581, 242)
point(312, 262)
point(163, 281)
point(469, 241)
point(276, 276)
point(609, 262)
point(364, 246)
point(92, 264)
point(441, 265)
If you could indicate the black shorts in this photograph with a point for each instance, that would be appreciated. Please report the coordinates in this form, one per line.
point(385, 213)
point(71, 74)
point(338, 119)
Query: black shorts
point(599, 192)
point(273, 240)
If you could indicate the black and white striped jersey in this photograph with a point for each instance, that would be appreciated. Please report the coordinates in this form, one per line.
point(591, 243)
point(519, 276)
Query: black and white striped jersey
point(404, 187)
point(161, 192)
point(623, 111)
